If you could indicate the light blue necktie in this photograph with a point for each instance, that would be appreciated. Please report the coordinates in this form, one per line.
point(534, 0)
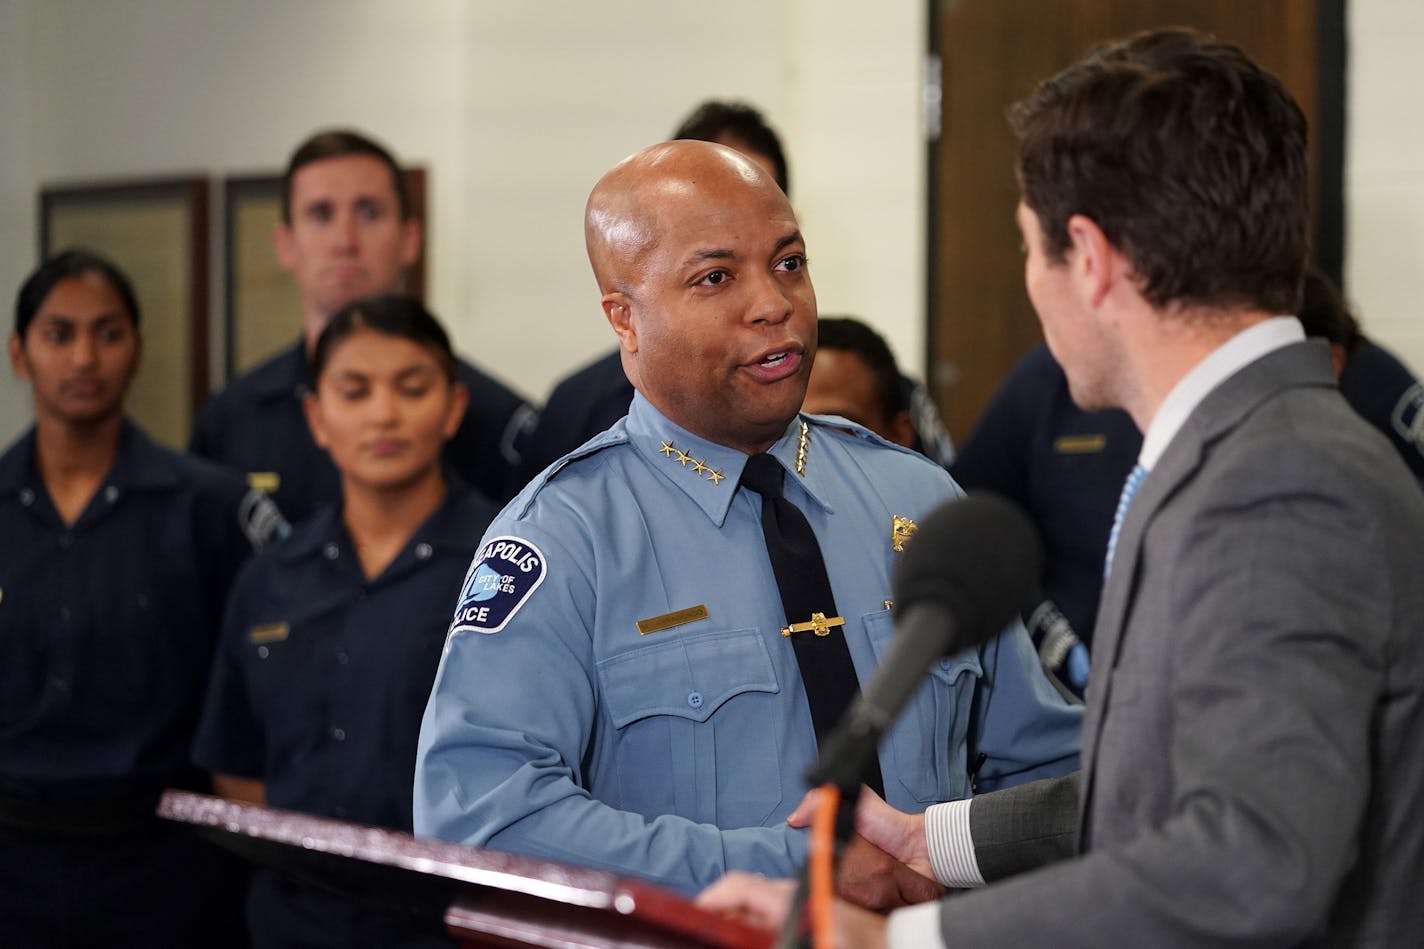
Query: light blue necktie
point(1129, 488)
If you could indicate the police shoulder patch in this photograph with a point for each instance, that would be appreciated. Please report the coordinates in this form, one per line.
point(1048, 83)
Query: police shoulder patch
point(506, 571)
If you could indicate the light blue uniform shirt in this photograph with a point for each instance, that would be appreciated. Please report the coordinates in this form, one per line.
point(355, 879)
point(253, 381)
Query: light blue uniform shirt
point(557, 729)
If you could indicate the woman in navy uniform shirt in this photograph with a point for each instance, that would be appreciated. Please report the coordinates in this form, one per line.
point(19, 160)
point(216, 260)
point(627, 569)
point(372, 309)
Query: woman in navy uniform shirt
point(115, 561)
point(332, 637)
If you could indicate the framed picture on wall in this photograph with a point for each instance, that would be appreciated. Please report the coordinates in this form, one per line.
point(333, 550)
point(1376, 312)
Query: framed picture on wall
point(157, 232)
point(262, 311)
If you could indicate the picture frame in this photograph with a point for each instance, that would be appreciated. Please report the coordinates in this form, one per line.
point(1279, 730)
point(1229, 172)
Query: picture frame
point(157, 232)
point(261, 308)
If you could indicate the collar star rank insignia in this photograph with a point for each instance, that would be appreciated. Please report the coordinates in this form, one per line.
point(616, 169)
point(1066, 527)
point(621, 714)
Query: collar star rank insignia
point(901, 530)
point(699, 465)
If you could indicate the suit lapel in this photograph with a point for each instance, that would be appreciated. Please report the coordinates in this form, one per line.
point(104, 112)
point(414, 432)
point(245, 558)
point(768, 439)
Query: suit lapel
point(1222, 411)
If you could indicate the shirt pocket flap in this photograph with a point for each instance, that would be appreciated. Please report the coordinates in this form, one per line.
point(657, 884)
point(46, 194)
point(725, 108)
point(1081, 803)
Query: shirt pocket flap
point(949, 668)
point(690, 677)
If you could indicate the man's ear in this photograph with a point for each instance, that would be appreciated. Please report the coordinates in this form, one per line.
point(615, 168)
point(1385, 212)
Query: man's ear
point(282, 244)
point(617, 307)
point(1096, 264)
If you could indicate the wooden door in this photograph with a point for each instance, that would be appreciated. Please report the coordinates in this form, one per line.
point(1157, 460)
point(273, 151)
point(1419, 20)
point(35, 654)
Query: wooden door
point(992, 53)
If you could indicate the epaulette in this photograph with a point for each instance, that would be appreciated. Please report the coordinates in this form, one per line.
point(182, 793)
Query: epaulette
point(617, 435)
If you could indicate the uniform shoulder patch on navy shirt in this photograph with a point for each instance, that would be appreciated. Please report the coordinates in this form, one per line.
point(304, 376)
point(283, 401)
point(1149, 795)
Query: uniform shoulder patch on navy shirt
point(261, 521)
point(506, 571)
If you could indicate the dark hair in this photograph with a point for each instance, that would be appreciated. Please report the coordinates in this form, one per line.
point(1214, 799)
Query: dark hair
point(393, 314)
point(1188, 156)
point(713, 120)
point(1324, 312)
point(73, 262)
point(849, 334)
point(339, 143)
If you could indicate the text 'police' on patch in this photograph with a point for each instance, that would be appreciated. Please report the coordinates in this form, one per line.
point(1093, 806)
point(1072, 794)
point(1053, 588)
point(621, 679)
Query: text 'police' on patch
point(505, 572)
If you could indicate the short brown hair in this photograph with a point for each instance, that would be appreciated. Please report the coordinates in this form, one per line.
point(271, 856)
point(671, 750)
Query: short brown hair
point(1188, 156)
point(338, 143)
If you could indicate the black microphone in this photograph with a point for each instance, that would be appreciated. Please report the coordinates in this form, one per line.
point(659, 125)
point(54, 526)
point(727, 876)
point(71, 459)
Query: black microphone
point(957, 585)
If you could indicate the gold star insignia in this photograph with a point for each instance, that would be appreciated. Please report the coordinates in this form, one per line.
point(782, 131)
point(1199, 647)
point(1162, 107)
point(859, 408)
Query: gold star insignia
point(699, 466)
point(716, 476)
point(667, 448)
point(683, 457)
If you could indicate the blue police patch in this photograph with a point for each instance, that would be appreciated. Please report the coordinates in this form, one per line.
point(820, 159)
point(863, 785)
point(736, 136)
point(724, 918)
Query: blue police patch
point(505, 572)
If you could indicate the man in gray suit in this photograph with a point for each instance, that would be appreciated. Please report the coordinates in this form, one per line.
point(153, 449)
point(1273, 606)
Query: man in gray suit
point(1253, 749)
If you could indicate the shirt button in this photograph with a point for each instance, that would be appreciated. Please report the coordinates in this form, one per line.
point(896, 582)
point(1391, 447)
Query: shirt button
point(694, 699)
point(944, 664)
point(64, 614)
point(27, 497)
point(111, 494)
point(338, 734)
point(423, 551)
point(342, 657)
point(263, 652)
point(66, 540)
point(330, 551)
point(60, 685)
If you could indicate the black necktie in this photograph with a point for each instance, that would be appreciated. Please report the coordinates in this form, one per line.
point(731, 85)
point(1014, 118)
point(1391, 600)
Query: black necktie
point(826, 667)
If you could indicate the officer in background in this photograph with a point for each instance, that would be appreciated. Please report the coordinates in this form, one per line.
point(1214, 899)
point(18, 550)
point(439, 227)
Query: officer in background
point(1065, 467)
point(855, 377)
point(116, 558)
point(642, 583)
point(332, 636)
point(1372, 379)
point(347, 232)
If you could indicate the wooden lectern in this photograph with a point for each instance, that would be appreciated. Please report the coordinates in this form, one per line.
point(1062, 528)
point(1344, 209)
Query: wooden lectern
point(487, 898)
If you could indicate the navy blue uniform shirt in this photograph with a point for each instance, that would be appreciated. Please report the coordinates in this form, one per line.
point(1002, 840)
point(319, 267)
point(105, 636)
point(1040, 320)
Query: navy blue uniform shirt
point(1062, 465)
point(1386, 394)
point(322, 676)
point(583, 404)
point(107, 626)
point(257, 426)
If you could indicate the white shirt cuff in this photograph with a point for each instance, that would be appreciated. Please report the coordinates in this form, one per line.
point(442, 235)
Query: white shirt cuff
point(915, 927)
point(951, 845)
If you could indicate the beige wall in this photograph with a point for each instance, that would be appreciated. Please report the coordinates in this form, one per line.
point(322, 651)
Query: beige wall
point(516, 108)
point(1384, 174)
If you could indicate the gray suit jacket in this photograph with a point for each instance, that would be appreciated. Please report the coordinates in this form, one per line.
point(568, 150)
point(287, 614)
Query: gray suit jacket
point(1253, 748)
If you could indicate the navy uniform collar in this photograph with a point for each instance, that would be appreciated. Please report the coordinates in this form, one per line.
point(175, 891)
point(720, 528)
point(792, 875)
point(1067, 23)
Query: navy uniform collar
point(138, 464)
point(709, 473)
point(454, 527)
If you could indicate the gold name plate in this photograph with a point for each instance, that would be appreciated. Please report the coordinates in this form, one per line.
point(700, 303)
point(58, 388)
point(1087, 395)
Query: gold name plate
point(271, 633)
point(668, 620)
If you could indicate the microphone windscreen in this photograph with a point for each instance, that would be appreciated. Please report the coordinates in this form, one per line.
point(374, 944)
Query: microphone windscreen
point(977, 557)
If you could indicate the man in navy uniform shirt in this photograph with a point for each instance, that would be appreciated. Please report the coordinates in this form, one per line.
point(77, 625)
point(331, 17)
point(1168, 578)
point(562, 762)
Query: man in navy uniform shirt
point(636, 581)
point(347, 232)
